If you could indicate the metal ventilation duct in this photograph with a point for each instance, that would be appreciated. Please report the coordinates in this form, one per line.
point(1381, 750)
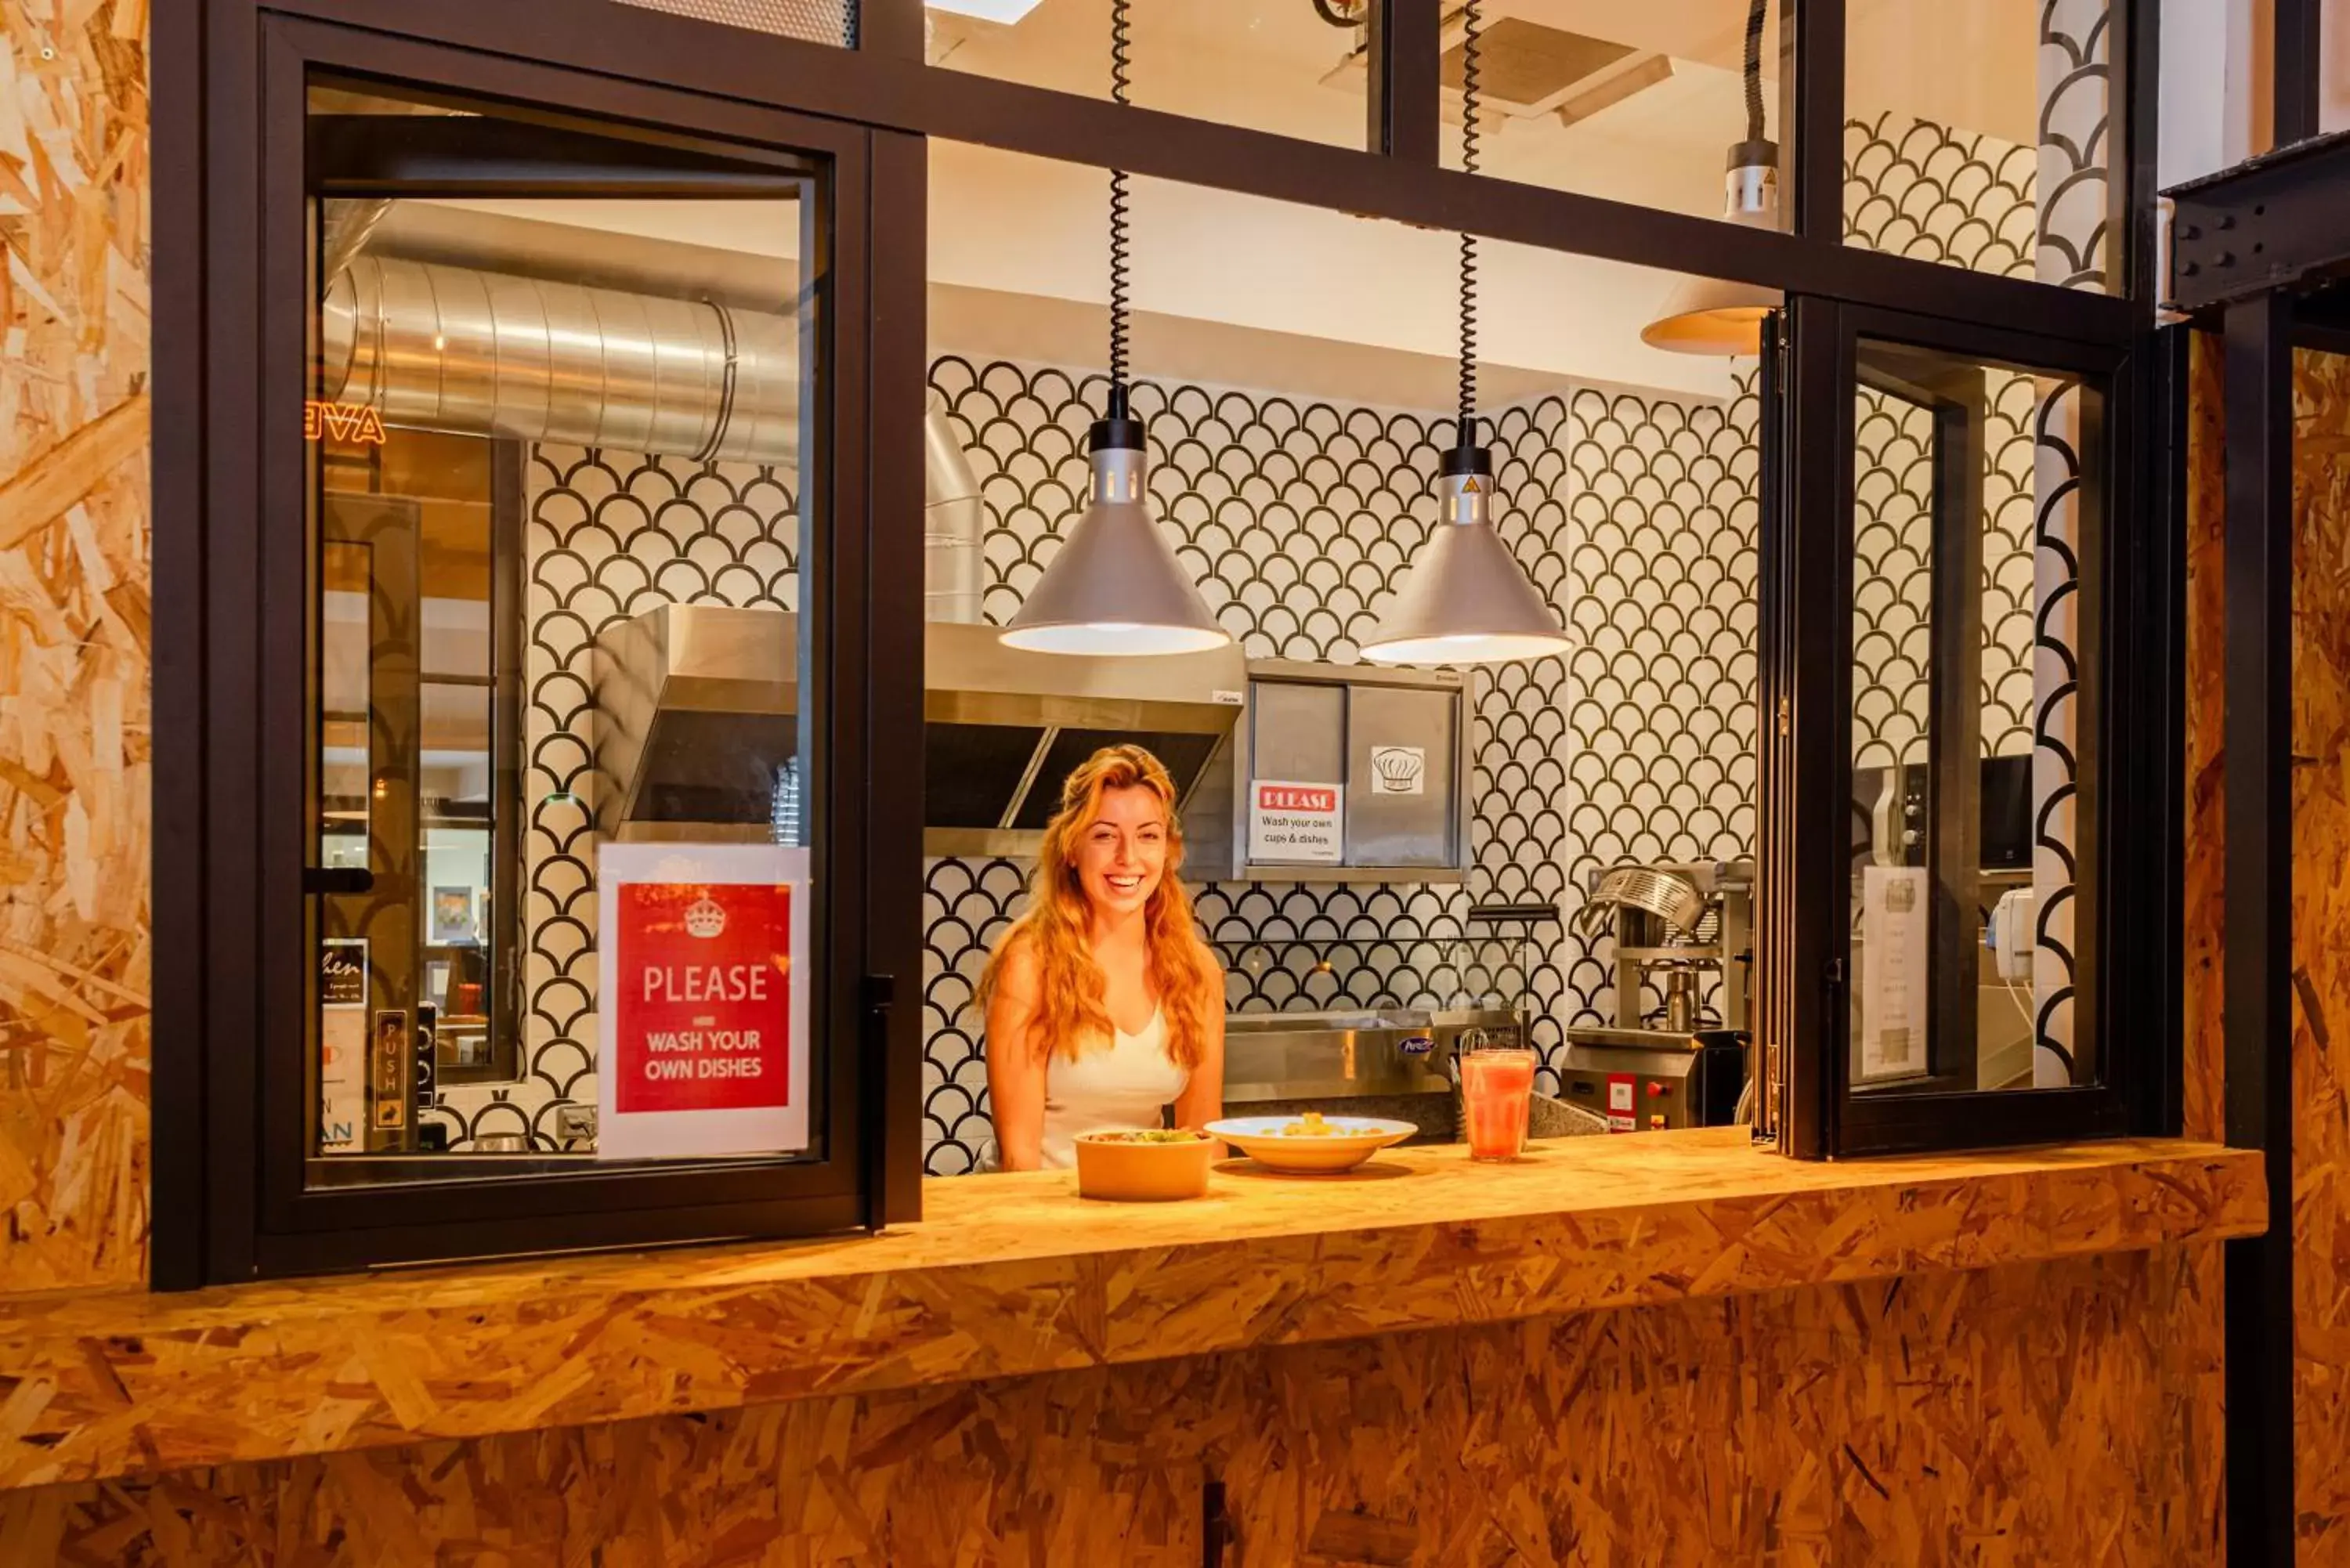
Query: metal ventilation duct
point(472, 352)
point(483, 353)
point(955, 520)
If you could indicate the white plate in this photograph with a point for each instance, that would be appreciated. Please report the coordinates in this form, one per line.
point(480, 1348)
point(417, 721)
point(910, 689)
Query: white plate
point(1360, 1137)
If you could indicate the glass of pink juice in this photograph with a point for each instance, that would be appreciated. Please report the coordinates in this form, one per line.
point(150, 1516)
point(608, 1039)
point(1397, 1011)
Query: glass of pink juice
point(1495, 1086)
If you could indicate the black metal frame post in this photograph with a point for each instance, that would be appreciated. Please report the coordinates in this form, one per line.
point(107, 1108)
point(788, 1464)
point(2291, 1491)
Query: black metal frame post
point(1816, 202)
point(1406, 47)
point(2258, 951)
point(1806, 723)
point(2297, 53)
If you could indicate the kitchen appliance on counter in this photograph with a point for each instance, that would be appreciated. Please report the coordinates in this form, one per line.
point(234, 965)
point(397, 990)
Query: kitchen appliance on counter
point(1679, 928)
point(1390, 1062)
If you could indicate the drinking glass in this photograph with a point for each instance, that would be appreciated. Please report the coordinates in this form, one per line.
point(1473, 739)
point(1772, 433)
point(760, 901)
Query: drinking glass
point(1496, 1086)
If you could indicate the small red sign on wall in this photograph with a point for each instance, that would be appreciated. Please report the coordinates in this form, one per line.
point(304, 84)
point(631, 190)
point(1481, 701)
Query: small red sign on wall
point(1290, 821)
point(705, 977)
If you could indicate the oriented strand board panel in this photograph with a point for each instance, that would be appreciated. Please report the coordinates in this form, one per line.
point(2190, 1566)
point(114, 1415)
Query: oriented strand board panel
point(74, 600)
point(2057, 1413)
point(2321, 953)
point(2320, 957)
point(1009, 1275)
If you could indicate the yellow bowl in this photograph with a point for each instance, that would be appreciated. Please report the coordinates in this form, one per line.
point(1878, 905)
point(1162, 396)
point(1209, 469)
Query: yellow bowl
point(1350, 1141)
point(1108, 1167)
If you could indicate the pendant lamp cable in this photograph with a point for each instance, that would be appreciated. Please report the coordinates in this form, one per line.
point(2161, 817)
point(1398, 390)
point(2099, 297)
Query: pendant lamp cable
point(1121, 46)
point(1472, 72)
point(1754, 71)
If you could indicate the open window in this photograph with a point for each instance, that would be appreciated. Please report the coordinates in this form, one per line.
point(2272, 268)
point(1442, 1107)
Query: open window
point(556, 725)
point(1949, 685)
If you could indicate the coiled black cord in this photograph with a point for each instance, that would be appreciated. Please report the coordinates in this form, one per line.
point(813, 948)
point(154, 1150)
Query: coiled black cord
point(1754, 71)
point(1121, 43)
point(1470, 74)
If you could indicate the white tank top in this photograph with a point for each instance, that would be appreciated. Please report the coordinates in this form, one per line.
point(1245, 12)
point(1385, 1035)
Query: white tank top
point(1121, 1087)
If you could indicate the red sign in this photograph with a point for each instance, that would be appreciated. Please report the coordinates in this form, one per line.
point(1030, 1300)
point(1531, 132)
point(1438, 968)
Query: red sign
point(1295, 797)
point(705, 1004)
point(1620, 1102)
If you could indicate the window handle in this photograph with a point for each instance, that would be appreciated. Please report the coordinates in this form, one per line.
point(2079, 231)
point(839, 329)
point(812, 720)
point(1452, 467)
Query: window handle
point(337, 880)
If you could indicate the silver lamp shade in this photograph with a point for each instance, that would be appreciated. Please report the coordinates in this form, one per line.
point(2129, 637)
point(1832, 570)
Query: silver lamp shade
point(1466, 601)
point(1708, 314)
point(1116, 586)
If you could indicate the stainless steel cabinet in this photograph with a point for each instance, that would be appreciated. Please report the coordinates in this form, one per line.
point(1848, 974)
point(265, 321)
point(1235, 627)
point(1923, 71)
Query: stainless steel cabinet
point(1338, 772)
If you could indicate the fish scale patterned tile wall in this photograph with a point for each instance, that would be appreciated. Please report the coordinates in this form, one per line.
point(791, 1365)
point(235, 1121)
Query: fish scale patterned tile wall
point(609, 536)
point(1633, 515)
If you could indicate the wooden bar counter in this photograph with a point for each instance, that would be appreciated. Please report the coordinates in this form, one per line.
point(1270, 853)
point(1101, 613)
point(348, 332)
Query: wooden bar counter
point(1014, 1277)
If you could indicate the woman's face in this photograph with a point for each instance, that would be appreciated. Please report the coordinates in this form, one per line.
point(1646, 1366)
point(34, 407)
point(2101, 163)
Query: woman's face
point(1122, 853)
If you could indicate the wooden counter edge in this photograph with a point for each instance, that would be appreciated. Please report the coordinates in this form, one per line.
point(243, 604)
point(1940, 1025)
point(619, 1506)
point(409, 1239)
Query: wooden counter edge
point(93, 1386)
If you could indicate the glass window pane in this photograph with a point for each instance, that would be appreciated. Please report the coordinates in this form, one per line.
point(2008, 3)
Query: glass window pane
point(1981, 136)
point(1649, 104)
point(1970, 494)
point(1295, 68)
point(556, 445)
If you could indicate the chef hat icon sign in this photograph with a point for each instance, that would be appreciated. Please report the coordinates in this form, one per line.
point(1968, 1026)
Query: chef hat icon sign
point(705, 918)
point(1397, 765)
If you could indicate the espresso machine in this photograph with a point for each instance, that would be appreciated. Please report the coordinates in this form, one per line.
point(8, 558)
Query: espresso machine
point(1681, 928)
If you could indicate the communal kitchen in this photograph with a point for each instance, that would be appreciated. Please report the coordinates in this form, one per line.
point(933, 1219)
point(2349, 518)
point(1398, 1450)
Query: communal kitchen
point(969, 796)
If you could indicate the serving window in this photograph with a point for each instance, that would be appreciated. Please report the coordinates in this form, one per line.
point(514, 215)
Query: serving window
point(540, 715)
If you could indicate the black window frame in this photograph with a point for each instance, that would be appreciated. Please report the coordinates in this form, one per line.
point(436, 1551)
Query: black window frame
point(231, 1120)
point(2124, 886)
point(662, 70)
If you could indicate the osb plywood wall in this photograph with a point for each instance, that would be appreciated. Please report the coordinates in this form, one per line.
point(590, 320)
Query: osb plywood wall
point(2320, 954)
point(2320, 904)
point(73, 782)
point(2063, 1413)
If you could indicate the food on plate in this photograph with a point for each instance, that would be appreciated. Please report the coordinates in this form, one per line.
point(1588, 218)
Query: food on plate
point(1152, 1135)
point(1310, 1124)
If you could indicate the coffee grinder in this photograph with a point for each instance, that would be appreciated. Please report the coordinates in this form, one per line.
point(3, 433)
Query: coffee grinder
point(1675, 1056)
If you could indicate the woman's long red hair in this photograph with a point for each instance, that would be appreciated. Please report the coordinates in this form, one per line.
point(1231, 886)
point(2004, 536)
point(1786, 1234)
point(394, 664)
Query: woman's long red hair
point(1070, 1012)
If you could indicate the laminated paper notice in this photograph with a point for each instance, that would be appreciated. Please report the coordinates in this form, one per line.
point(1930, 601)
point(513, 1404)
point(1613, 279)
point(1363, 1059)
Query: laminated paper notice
point(342, 1043)
point(1894, 982)
point(1300, 821)
point(703, 1014)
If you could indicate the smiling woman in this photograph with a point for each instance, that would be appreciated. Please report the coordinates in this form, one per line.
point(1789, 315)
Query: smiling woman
point(1103, 1005)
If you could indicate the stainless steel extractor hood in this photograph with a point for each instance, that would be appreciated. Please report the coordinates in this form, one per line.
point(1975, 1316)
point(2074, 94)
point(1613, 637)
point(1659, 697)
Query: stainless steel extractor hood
point(697, 726)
